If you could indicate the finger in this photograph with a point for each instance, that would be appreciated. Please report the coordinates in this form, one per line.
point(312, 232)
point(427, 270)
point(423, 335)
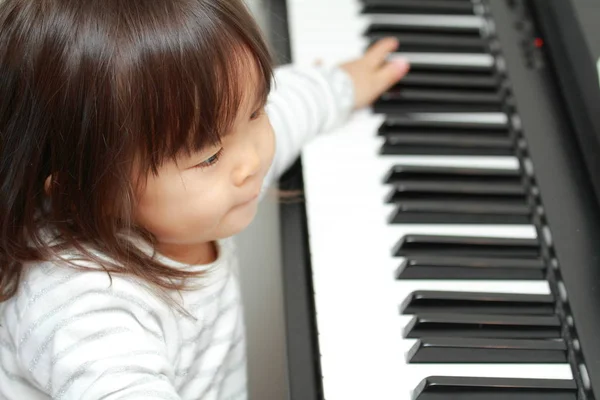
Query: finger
point(379, 51)
point(391, 73)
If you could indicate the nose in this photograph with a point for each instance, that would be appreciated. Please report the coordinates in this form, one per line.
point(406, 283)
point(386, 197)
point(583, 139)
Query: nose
point(248, 166)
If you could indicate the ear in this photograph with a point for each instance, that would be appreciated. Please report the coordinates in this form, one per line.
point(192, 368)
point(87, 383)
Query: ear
point(48, 184)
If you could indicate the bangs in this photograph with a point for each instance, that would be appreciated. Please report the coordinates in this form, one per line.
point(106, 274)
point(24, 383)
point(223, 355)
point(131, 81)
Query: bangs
point(184, 83)
point(95, 90)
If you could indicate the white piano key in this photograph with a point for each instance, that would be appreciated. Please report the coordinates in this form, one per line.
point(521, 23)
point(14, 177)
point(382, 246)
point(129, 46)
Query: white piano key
point(461, 21)
point(476, 60)
point(403, 382)
point(483, 118)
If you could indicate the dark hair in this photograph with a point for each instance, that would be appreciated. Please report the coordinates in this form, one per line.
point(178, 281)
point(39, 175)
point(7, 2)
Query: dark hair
point(89, 86)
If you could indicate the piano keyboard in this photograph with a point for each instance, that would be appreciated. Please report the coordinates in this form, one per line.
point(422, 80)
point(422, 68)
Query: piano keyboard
point(428, 273)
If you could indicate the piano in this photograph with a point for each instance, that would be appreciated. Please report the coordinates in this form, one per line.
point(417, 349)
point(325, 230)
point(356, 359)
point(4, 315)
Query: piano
point(448, 244)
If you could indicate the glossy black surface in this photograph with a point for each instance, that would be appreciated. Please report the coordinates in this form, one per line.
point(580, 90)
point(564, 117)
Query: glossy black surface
point(572, 213)
point(483, 326)
point(430, 267)
point(572, 35)
point(463, 7)
point(467, 388)
point(425, 301)
point(421, 77)
point(431, 41)
point(400, 124)
point(430, 245)
point(481, 192)
point(447, 144)
point(460, 175)
point(378, 24)
point(477, 350)
point(461, 211)
point(441, 100)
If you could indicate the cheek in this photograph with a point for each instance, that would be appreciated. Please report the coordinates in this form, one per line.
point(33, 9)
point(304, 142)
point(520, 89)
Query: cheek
point(269, 143)
point(176, 212)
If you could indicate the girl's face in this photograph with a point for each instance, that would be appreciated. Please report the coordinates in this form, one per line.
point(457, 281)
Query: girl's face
point(212, 194)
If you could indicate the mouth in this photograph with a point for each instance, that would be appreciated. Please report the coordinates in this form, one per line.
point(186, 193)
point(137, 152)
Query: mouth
point(250, 200)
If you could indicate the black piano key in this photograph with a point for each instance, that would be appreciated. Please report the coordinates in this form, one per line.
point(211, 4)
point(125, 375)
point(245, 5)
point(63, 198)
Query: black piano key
point(447, 144)
point(459, 175)
point(433, 301)
point(471, 268)
point(402, 124)
point(476, 191)
point(481, 192)
point(450, 80)
point(427, 149)
point(418, 7)
point(416, 42)
point(484, 350)
point(400, 94)
point(440, 67)
point(410, 99)
point(449, 139)
point(471, 388)
point(510, 210)
point(382, 23)
point(459, 212)
point(483, 326)
point(428, 95)
point(467, 246)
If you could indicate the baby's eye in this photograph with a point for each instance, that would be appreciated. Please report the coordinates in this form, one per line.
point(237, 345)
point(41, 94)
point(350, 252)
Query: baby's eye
point(210, 161)
point(256, 114)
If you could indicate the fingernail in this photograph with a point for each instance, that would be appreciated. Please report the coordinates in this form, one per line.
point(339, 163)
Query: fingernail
point(401, 62)
point(394, 42)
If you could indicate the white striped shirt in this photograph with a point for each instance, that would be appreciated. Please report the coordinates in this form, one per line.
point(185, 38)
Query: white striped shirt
point(71, 334)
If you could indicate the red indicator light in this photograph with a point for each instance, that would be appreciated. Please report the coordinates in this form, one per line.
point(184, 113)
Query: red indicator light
point(538, 42)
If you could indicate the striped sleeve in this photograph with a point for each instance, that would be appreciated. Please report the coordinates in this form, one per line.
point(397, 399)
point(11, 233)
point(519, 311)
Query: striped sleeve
point(304, 102)
point(81, 337)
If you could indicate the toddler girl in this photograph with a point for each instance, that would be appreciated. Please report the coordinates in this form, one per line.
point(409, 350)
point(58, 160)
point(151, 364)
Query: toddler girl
point(136, 138)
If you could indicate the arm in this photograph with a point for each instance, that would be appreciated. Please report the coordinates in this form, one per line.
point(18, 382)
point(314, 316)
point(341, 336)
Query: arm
point(303, 103)
point(91, 340)
point(307, 101)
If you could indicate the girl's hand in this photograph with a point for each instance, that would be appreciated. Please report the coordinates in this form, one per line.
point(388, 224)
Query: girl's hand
point(372, 74)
